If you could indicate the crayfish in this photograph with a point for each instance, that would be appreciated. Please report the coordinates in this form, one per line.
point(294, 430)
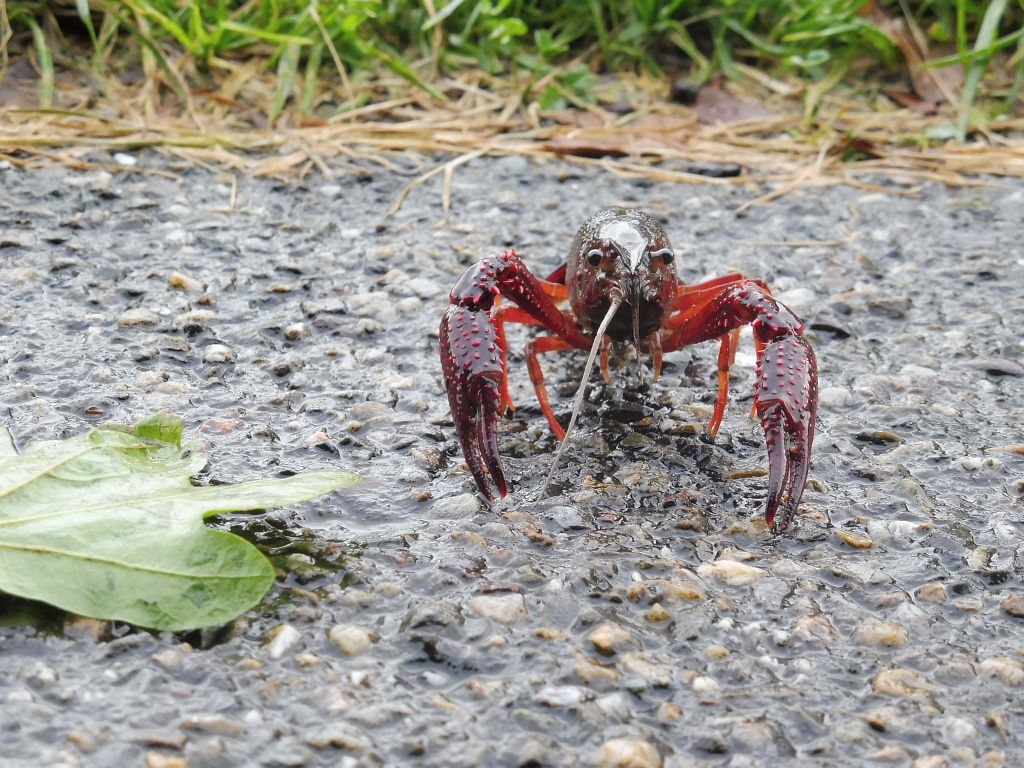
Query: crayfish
point(621, 286)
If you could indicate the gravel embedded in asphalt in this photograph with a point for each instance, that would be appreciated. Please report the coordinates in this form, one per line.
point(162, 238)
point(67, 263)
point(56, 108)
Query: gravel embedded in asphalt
point(643, 616)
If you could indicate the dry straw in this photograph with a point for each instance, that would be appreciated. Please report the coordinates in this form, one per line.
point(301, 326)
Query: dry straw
point(855, 142)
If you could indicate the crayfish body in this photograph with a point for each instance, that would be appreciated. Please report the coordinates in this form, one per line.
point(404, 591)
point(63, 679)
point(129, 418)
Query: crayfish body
point(624, 256)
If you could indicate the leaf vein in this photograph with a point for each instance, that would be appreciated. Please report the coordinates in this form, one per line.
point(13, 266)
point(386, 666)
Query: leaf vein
point(125, 566)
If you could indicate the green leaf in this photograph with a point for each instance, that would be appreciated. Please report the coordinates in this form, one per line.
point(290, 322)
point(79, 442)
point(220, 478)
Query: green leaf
point(552, 99)
point(163, 427)
point(107, 524)
point(7, 447)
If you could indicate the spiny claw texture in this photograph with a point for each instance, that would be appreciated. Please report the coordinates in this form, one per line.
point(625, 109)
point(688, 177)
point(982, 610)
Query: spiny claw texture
point(473, 360)
point(785, 397)
point(473, 373)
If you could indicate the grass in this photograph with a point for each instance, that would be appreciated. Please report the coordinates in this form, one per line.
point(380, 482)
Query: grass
point(321, 82)
point(300, 41)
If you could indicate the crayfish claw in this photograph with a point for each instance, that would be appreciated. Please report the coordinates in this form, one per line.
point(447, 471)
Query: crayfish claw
point(488, 448)
point(786, 400)
point(484, 466)
point(473, 378)
point(778, 459)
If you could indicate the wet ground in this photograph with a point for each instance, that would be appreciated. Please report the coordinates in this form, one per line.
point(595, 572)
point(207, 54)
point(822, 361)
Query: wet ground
point(643, 617)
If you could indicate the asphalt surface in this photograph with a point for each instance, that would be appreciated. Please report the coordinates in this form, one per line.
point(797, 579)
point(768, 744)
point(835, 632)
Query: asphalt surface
point(642, 616)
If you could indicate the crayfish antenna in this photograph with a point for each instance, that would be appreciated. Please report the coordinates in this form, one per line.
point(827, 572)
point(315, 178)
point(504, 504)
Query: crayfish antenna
point(636, 339)
point(578, 402)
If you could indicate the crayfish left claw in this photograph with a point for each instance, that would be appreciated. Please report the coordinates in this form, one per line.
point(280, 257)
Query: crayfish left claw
point(473, 377)
point(786, 400)
point(478, 438)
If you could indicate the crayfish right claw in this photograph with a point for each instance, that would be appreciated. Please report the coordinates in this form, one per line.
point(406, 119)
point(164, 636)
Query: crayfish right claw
point(786, 401)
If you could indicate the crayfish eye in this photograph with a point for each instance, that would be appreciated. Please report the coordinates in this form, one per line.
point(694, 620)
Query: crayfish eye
point(666, 255)
point(594, 256)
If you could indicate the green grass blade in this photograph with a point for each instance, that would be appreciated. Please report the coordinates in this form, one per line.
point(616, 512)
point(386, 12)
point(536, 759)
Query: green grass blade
point(177, 82)
point(598, 25)
point(108, 33)
point(989, 27)
point(1018, 81)
point(399, 67)
point(267, 36)
point(197, 29)
point(451, 7)
point(312, 79)
point(762, 45)
point(168, 25)
point(287, 68)
point(817, 34)
point(684, 42)
point(979, 53)
point(82, 6)
point(45, 63)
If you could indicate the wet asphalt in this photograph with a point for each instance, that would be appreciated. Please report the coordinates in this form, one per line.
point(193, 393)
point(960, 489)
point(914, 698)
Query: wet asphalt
point(642, 615)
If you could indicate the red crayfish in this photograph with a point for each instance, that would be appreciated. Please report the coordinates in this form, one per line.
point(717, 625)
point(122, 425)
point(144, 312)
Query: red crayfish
point(622, 270)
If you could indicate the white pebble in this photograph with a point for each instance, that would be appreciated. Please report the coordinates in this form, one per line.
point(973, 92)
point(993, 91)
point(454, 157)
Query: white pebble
point(425, 288)
point(351, 639)
point(731, 572)
point(282, 639)
point(506, 609)
point(20, 696)
point(218, 353)
point(1010, 671)
point(185, 282)
point(615, 705)
point(150, 380)
point(200, 317)
point(835, 397)
point(628, 753)
point(460, 506)
point(919, 372)
point(133, 317)
point(296, 331)
point(960, 730)
point(558, 696)
point(797, 299)
point(173, 387)
point(704, 684)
